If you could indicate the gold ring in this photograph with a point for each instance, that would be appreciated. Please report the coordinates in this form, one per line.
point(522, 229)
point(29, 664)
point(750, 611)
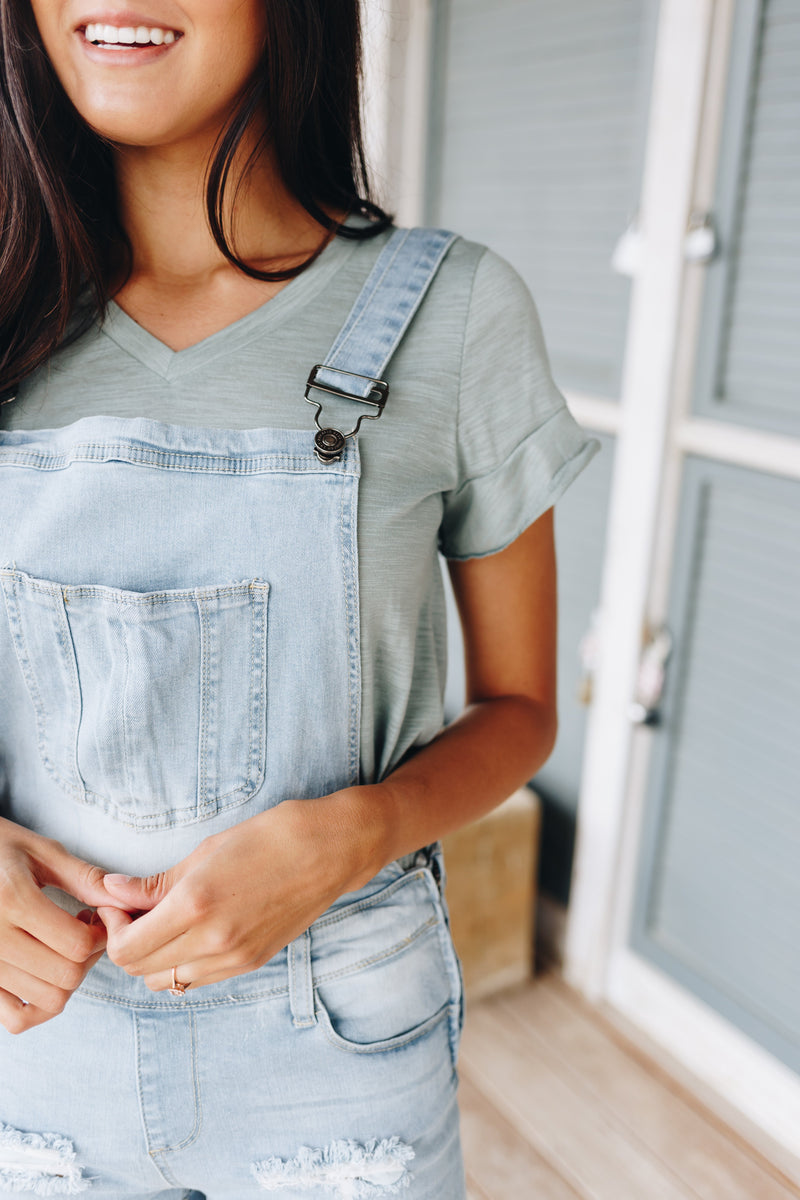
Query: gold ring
point(177, 989)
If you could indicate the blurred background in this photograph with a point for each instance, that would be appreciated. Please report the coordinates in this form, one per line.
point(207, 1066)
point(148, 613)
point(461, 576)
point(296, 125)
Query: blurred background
point(639, 164)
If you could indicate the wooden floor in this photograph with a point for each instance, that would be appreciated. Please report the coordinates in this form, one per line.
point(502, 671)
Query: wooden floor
point(557, 1104)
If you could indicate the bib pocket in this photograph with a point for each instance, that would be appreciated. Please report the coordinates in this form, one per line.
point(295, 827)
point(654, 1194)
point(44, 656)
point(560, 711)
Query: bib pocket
point(150, 705)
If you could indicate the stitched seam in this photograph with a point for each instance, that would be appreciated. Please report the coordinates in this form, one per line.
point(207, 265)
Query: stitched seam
point(33, 688)
point(206, 807)
point(194, 1133)
point(166, 459)
point(174, 817)
point(255, 723)
point(387, 1044)
point(369, 297)
point(77, 696)
point(163, 1006)
point(126, 675)
point(140, 1081)
point(179, 596)
point(354, 647)
point(368, 902)
point(398, 948)
point(202, 748)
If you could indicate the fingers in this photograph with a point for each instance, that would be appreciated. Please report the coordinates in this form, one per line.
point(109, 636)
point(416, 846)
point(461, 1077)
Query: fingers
point(180, 949)
point(25, 953)
point(202, 955)
point(16, 1016)
point(135, 892)
point(45, 953)
point(27, 1001)
point(28, 988)
point(53, 864)
point(51, 925)
point(150, 933)
point(210, 969)
point(198, 974)
point(24, 906)
point(114, 920)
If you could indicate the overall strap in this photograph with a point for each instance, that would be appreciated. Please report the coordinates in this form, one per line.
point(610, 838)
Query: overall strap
point(374, 328)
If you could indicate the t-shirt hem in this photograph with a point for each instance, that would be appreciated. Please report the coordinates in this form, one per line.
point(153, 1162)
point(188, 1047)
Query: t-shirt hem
point(533, 501)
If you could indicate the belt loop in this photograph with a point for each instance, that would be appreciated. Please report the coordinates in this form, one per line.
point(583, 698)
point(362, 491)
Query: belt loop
point(301, 983)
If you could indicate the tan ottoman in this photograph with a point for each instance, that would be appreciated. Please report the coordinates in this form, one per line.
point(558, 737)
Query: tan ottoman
point(491, 870)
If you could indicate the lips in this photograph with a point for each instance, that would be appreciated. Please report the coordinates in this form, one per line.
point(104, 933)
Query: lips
point(125, 38)
point(125, 17)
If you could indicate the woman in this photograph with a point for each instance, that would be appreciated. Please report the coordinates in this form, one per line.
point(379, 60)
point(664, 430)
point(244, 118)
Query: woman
point(222, 645)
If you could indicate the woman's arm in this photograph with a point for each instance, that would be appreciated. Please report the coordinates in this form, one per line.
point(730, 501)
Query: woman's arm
point(244, 894)
point(507, 605)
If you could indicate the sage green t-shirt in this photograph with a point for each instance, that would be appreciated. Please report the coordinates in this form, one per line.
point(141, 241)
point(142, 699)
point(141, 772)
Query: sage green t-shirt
point(474, 444)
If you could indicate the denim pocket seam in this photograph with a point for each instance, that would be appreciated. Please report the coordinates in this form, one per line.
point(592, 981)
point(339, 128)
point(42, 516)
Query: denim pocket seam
point(348, 910)
point(73, 787)
point(385, 1045)
point(382, 956)
point(254, 594)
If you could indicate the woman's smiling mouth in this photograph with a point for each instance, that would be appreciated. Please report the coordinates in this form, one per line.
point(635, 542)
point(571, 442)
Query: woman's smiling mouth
point(125, 41)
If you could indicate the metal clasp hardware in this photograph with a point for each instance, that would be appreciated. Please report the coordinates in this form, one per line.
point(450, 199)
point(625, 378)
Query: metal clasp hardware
point(329, 443)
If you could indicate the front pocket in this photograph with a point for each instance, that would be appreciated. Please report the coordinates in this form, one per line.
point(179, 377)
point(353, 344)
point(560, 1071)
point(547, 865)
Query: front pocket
point(151, 705)
point(403, 979)
point(389, 1004)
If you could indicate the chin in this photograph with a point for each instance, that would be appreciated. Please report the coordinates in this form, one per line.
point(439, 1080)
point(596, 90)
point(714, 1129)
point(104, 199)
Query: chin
point(128, 128)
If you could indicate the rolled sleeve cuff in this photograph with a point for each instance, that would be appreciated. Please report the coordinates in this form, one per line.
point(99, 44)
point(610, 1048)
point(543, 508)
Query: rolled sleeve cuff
point(487, 513)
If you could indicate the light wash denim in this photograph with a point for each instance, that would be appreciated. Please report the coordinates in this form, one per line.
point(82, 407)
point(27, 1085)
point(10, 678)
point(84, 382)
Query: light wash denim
point(181, 651)
point(328, 1073)
point(475, 444)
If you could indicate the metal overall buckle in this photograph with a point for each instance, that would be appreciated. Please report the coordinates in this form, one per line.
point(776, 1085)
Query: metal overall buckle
point(329, 443)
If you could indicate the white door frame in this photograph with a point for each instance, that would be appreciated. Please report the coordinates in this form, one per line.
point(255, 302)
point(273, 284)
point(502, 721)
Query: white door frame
point(654, 430)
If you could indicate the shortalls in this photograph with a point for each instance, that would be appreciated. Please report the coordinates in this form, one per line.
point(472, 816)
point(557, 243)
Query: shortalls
point(179, 650)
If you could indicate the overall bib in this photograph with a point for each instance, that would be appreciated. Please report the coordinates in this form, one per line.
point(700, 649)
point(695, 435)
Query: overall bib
point(179, 650)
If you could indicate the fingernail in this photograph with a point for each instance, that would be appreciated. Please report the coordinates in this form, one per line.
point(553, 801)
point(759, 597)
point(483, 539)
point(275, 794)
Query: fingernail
point(118, 878)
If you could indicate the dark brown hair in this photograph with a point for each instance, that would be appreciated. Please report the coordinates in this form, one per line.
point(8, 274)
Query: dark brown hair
point(62, 246)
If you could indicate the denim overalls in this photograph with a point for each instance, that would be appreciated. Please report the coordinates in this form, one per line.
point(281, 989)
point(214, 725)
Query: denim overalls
point(179, 650)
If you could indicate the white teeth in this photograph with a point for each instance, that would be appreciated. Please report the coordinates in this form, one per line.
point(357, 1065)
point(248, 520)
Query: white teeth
point(127, 35)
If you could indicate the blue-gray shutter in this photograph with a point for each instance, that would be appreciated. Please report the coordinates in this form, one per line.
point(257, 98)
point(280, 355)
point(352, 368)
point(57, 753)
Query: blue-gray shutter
point(749, 352)
point(717, 901)
point(538, 127)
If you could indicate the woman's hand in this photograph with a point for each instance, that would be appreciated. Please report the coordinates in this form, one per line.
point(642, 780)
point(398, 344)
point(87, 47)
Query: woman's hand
point(245, 894)
point(44, 952)
point(242, 895)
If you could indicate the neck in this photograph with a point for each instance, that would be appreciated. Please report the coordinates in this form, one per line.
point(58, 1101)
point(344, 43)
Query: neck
point(162, 206)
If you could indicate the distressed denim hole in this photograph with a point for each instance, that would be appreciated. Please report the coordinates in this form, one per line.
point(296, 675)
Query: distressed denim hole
point(41, 1163)
point(344, 1170)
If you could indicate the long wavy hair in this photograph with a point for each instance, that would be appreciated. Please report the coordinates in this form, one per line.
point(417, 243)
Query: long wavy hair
point(62, 245)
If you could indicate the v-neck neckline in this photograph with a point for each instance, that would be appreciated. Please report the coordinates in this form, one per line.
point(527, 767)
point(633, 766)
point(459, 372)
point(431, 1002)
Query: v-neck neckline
point(160, 358)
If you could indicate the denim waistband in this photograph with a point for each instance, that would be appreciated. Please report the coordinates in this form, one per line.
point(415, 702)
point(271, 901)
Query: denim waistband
point(400, 903)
